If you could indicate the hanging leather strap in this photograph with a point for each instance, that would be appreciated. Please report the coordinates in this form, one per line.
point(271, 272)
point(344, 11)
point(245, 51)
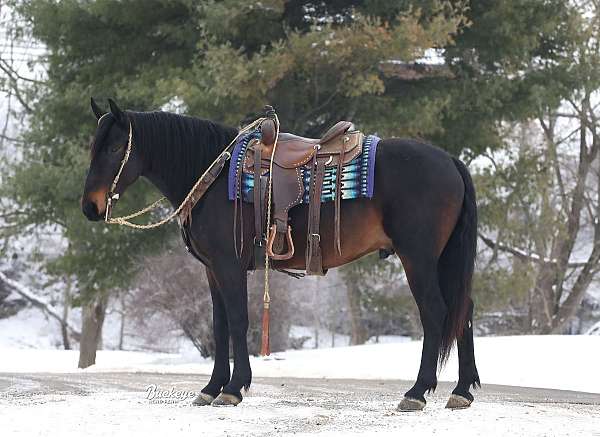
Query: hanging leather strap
point(238, 206)
point(338, 200)
point(314, 259)
point(259, 193)
point(258, 203)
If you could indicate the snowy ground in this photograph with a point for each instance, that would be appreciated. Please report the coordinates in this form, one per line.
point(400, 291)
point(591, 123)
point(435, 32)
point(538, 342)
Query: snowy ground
point(304, 392)
point(559, 362)
point(101, 404)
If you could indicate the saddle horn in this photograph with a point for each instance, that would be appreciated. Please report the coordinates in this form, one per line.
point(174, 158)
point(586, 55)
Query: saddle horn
point(268, 128)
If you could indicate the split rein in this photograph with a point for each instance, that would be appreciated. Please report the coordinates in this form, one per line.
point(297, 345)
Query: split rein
point(112, 196)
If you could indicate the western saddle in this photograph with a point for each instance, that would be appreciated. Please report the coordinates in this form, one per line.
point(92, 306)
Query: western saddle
point(337, 147)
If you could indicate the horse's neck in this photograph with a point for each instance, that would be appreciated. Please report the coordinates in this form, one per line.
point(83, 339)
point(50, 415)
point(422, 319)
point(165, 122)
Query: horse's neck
point(170, 192)
point(175, 188)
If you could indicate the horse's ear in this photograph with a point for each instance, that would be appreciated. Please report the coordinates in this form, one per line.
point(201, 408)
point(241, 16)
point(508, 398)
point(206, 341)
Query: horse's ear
point(116, 111)
point(96, 109)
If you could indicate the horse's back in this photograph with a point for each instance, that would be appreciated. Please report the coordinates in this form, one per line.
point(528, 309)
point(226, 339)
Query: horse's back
point(417, 165)
point(417, 187)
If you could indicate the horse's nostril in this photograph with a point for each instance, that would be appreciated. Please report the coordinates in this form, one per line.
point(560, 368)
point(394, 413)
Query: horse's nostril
point(90, 210)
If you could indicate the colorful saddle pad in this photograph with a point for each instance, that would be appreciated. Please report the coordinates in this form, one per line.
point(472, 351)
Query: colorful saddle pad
point(358, 176)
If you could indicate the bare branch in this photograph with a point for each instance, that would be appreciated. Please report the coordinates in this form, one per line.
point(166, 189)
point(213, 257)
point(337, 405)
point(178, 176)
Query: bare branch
point(524, 255)
point(39, 302)
point(9, 70)
point(11, 139)
point(548, 129)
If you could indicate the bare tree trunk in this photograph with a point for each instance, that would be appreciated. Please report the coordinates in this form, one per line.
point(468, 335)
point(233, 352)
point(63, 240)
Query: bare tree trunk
point(543, 298)
point(65, 336)
point(358, 334)
point(123, 318)
point(317, 323)
point(93, 315)
point(65, 315)
point(553, 282)
point(122, 332)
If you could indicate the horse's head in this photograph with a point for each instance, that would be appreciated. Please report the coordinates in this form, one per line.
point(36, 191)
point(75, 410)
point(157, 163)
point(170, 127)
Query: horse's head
point(108, 150)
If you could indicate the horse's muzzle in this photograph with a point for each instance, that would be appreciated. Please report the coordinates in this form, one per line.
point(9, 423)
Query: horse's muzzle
point(90, 210)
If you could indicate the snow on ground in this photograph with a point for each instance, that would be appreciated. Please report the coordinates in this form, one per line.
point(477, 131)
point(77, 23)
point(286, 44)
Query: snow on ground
point(559, 362)
point(97, 404)
point(267, 414)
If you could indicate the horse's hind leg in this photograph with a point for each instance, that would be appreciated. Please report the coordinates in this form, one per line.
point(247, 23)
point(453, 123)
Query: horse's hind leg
point(467, 371)
point(423, 280)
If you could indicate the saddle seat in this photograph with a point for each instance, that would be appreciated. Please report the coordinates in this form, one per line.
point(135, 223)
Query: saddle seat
point(293, 151)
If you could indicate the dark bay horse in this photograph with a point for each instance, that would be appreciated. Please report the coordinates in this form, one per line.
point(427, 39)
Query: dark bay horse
point(423, 209)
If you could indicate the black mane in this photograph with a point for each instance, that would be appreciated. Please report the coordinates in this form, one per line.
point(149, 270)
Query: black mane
point(178, 148)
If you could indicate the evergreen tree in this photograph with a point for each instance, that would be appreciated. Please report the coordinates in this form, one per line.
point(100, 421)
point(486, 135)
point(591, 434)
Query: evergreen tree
point(316, 62)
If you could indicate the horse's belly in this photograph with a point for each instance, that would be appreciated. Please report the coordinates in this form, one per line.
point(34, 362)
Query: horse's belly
point(361, 231)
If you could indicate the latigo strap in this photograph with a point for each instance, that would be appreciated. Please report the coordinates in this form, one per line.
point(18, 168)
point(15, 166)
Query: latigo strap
point(314, 259)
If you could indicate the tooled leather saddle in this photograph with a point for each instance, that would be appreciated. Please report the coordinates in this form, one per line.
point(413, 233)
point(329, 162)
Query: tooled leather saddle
point(337, 147)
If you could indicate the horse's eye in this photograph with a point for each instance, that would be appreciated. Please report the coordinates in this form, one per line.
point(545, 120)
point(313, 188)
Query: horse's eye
point(116, 148)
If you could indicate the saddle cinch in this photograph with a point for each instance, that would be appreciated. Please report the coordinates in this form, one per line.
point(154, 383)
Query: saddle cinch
point(336, 148)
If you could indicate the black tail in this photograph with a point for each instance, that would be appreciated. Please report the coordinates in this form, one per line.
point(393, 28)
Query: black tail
point(456, 265)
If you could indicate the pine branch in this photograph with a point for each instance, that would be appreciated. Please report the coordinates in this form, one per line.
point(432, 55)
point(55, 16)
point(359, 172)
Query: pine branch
point(414, 71)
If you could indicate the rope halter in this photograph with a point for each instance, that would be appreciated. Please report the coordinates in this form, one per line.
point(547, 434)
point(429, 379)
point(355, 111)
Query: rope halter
point(112, 195)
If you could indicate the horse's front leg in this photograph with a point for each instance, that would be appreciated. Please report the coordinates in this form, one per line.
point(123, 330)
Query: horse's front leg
point(232, 283)
point(221, 371)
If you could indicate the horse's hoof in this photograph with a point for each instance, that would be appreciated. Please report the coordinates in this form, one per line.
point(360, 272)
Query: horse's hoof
point(202, 400)
point(410, 404)
point(457, 402)
point(226, 399)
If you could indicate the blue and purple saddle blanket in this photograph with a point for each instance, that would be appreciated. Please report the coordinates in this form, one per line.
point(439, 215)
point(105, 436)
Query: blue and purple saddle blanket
point(358, 176)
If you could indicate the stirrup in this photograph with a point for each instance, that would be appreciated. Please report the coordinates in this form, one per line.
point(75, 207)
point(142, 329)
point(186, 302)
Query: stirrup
point(290, 244)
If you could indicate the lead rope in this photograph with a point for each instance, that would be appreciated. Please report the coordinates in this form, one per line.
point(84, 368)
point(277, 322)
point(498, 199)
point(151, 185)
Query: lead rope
point(124, 220)
point(265, 349)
